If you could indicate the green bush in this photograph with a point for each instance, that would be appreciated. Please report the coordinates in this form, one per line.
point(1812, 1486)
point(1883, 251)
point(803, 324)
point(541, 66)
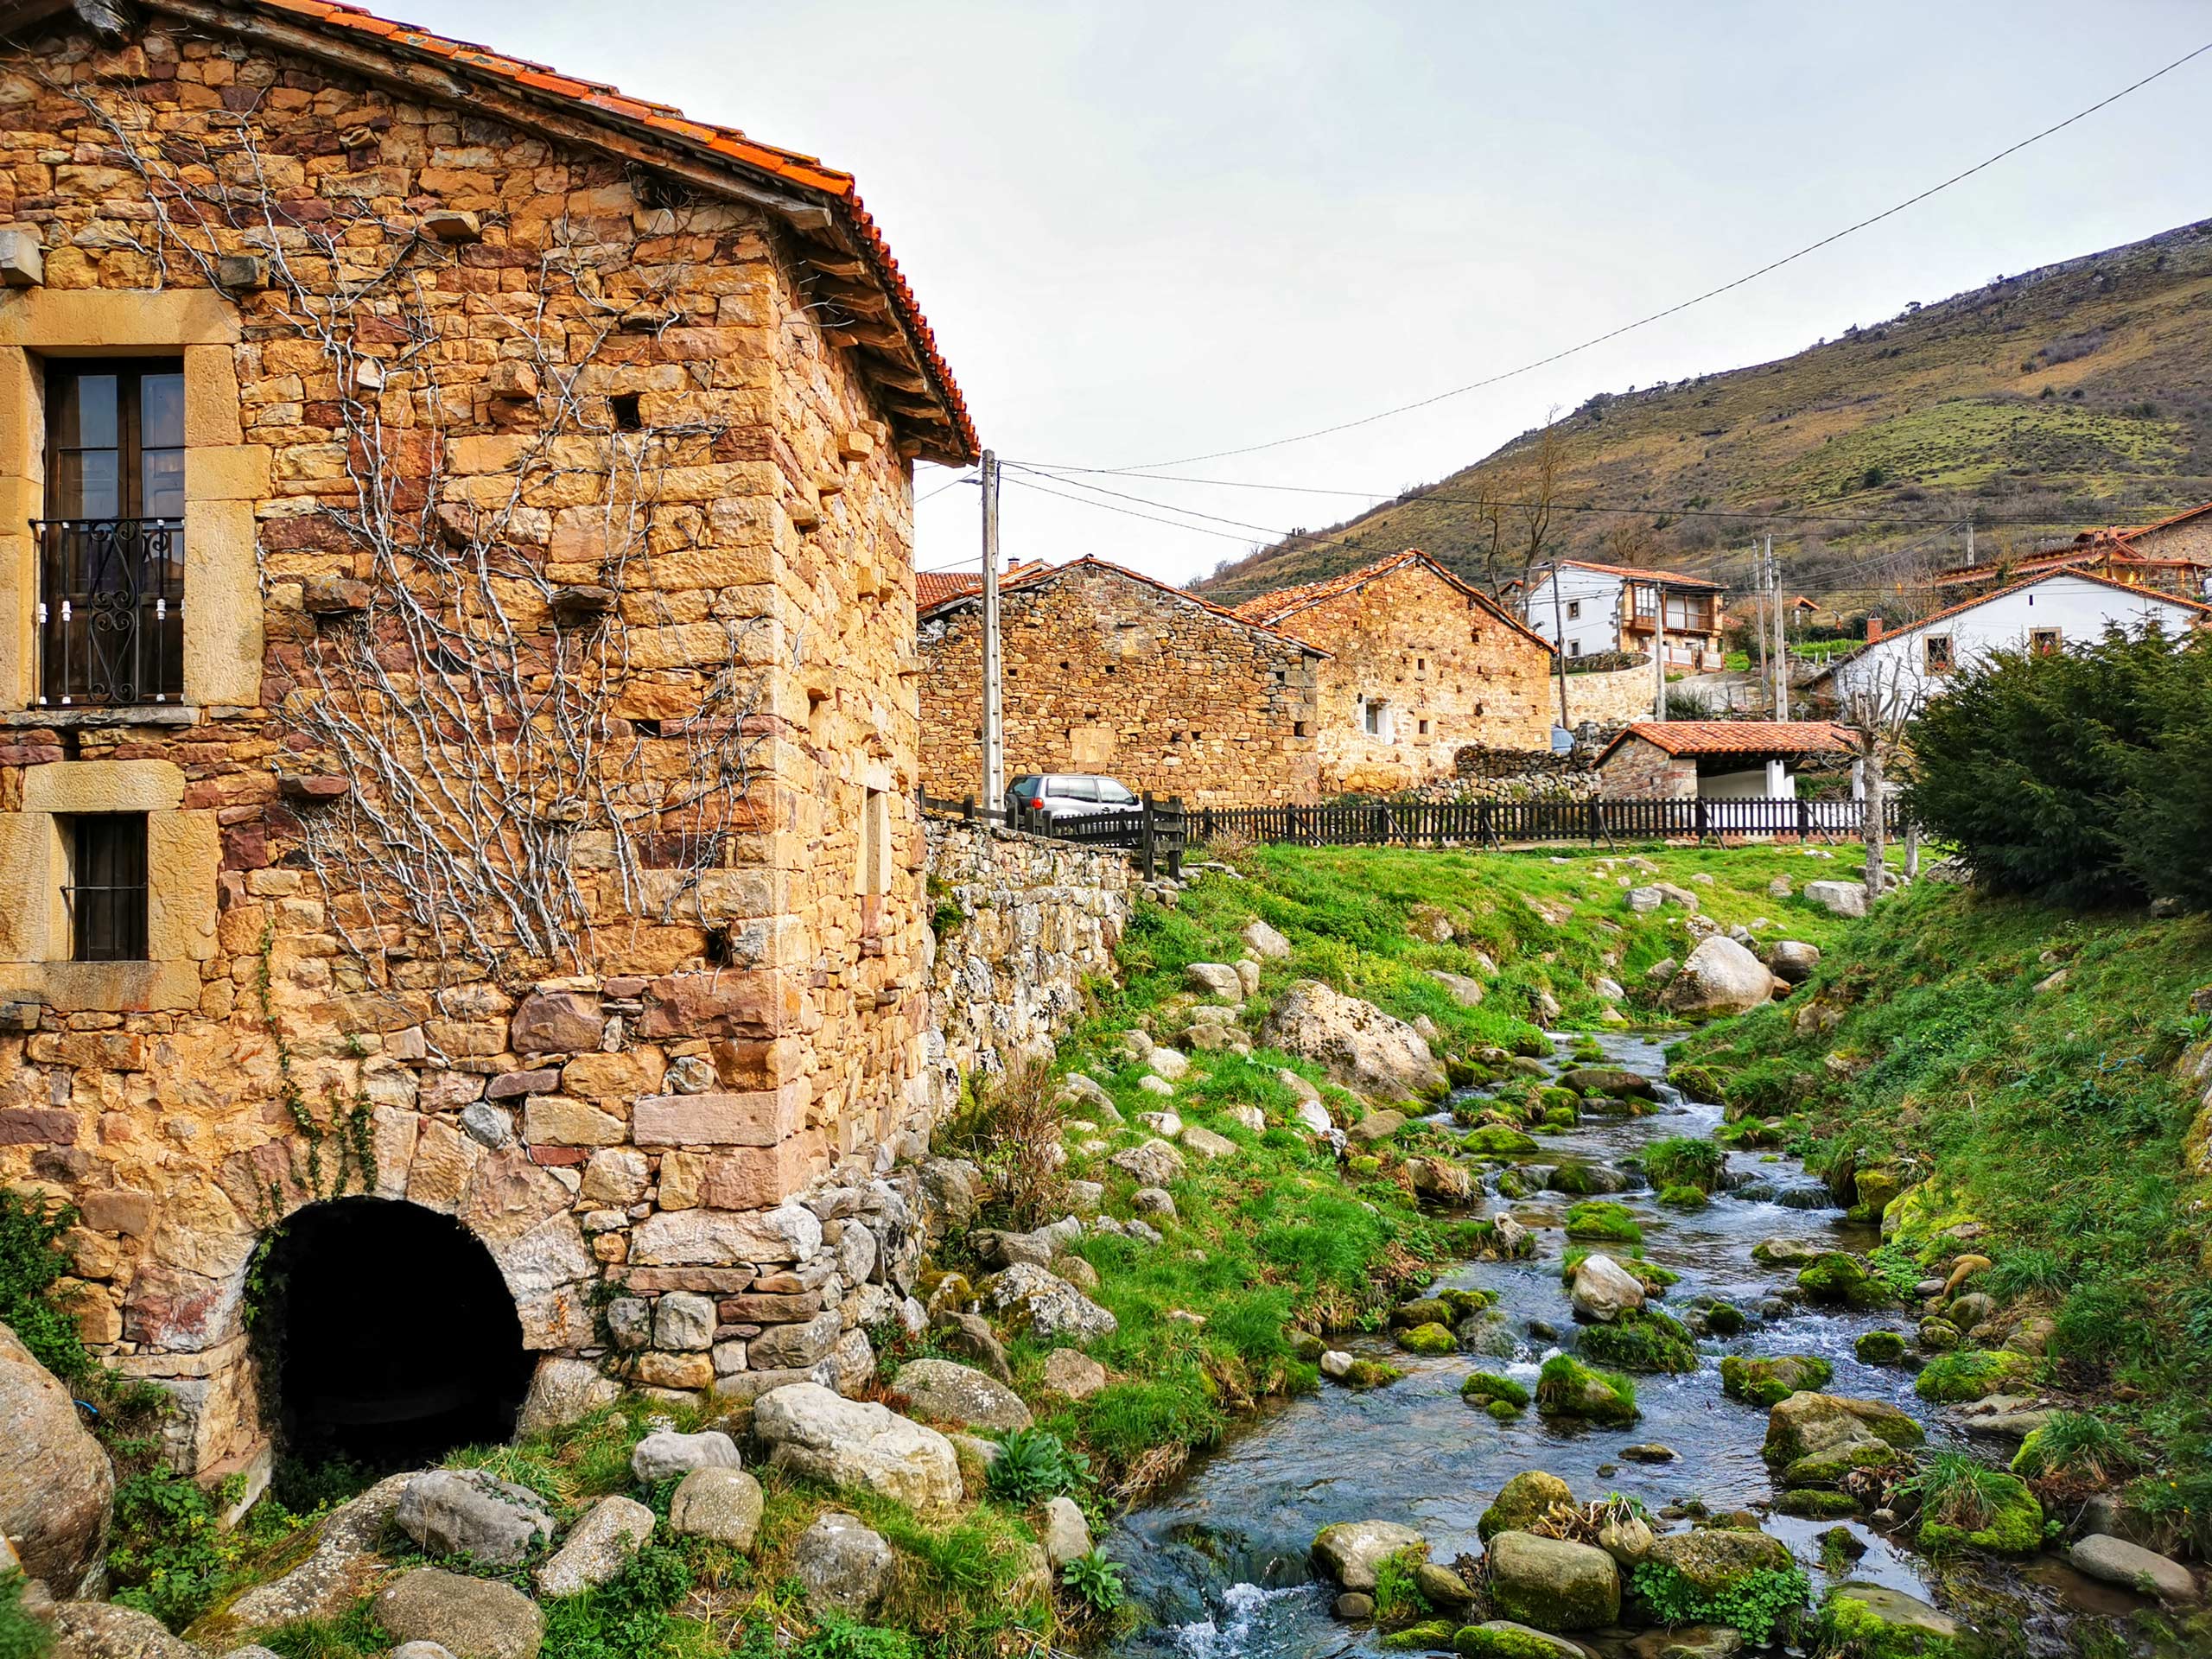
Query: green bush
point(628, 1616)
point(1762, 1603)
point(2084, 776)
point(1684, 1161)
point(168, 1553)
point(1096, 1581)
point(22, 1636)
point(1034, 1464)
point(31, 1259)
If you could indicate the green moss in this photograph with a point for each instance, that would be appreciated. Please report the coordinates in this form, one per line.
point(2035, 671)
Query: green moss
point(1768, 1381)
point(1428, 1339)
point(1430, 1636)
point(1684, 1198)
point(1973, 1374)
point(1684, 1162)
point(1489, 1642)
point(1567, 1387)
point(1879, 1348)
point(1495, 1141)
point(1837, 1277)
point(1366, 1373)
point(1643, 1340)
point(1871, 1623)
point(1964, 1502)
point(1813, 1504)
point(1600, 1218)
point(1496, 1390)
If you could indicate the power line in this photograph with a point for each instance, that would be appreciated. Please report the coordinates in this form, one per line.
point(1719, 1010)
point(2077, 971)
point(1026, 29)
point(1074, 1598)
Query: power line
point(1699, 299)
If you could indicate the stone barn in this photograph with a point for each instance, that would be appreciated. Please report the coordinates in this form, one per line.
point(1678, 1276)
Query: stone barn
point(1419, 665)
point(1107, 670)
point(459, 690)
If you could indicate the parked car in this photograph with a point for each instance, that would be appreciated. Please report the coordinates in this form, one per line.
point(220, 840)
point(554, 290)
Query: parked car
point(1068, 794)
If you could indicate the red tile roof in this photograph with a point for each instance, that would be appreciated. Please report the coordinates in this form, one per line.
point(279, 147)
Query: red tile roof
point(2125, 533)
point(935, 587)
point(1770, 737)
point(608, 107)
point(1637, 573)
point(1276, 609)
point(1835, 663)
point(1034, 576)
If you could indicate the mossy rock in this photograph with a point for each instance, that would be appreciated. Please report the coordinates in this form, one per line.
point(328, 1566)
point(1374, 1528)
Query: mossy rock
point(1839, 1278)
point(1503, 1639)
point(1561, 1117)
point(1303, 1346)
point(1721, 1318)
point(1366, 1163)
point(1684, 1198)
point(1428, 1339)
point(1653, 1278)
point(1713, 1561)
point(1496, 1140)
point(1568, 1389)
point(1503, 1411)
point(1552, 1097)
point(1768, 1381)
point(1370, 1374)
point(1643, 1340)
point(1868, 1621)
point(1600, 1218)
point(1430, 1636)
point(1522, 1502)
point(1463, 1303)
point(1491, 1387)
point(1699, 1083)
point(2013, 1526)
point(1973, 1374)
point(1938, 1336)
point(1810, 1503)
point(1879, 1348)
point(1422, 1310)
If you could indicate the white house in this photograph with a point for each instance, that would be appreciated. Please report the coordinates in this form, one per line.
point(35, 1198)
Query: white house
point(1606, 607)
point(2045, 613)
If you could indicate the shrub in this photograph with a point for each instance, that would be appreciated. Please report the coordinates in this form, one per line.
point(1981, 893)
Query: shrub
point(1034, 1464)
point(1761, 1603)
point(1684, 1161)
point(22, 1636)
point(167, 1552)
point(31, 1259)
point(1096, 1581)
point(2078, 1448)
point(839, 1637)
point(1397, 1597)
point(1964, 1500)
point(1011, 1128)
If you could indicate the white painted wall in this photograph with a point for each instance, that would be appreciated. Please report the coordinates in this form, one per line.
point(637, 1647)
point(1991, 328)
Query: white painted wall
point(2079, 610)
point(1598, 597)
point(1759, 786)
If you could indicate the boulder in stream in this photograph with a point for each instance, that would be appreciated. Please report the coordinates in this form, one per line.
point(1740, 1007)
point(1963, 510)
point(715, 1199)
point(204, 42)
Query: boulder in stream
point(1815, 1439)
point(1768, 1381)
point(1870, 1619)
point(1552, 1584)
point(2114, 1561)
point(1567, 1387)
point(1524, 1500)
point(1713, 1561)
point(1603, 1290)
point(1501, 1638)
point(1720, 977)
point(1349, 1551)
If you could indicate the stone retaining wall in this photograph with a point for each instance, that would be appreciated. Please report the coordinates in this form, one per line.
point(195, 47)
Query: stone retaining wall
point(1611, 698)
point(1037, 917)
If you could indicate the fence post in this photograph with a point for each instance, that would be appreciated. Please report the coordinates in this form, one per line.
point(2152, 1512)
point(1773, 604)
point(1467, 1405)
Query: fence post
point(967, 808)
point(1145, 845)
point(1700, 818)
point(1804, 819)
point(1177, 832)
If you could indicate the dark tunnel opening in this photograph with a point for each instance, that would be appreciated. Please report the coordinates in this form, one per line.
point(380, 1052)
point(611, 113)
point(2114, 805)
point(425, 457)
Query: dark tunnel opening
point(386, 1336)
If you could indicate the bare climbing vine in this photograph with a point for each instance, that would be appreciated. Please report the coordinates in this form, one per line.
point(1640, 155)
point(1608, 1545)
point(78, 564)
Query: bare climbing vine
point(497, 800)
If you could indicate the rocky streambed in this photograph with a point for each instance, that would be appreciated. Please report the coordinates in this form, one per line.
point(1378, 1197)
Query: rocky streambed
point(1224, 1561)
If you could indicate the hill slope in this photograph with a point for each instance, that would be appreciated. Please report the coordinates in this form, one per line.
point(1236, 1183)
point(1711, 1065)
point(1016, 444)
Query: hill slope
point(2076, 394)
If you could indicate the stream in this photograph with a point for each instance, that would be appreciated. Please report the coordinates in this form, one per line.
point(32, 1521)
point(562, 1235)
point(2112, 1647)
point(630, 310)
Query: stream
point(1219, 1560)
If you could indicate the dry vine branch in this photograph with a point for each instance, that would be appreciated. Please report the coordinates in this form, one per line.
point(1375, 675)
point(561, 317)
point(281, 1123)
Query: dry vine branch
point(467, 697)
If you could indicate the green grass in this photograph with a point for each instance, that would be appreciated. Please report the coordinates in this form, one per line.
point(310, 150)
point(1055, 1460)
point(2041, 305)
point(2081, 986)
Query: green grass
point(2054, 1121)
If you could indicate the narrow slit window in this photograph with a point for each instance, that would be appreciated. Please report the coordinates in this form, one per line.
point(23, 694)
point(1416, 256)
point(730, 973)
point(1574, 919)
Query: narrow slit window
point(106, 888)
point(624, 406)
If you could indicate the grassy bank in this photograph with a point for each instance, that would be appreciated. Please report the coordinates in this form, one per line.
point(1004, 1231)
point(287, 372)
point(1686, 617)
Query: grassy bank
point(2020, 1064)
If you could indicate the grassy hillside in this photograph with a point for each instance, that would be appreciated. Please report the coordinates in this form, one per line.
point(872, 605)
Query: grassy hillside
point(2025, 1067)
point(2077, 394)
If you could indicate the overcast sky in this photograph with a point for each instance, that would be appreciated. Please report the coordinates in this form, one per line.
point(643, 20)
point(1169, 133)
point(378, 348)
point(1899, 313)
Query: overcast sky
point(1148, 231)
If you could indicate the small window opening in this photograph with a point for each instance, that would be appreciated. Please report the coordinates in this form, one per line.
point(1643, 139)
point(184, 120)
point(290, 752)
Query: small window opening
point(875, 844)
point(1297, 728)
point(1424, 727)
point(2043, 642)
point(1573, 610)
point(1420, 664)
point(624, 407)
point(1939, 653)
point(107, 891)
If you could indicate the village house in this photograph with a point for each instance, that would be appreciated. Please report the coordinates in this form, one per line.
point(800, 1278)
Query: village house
point(1106, 671)
point(2046, 613)
point(1717, 760)
point(1608, 607)
point(2173, 555)
point(1418, 665)
point(460, 714)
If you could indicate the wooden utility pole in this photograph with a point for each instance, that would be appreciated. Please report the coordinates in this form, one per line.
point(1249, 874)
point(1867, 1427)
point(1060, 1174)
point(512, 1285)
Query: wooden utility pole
point(993, 731)
point(1758, 615)
point(1559, 642)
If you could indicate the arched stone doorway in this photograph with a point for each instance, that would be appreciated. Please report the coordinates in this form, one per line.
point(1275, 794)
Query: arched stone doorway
point(387, 1334)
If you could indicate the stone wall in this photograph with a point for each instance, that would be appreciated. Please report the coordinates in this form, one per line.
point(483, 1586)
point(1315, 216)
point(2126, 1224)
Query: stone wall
point(661, 425)
point(1641, 771)
point(1038, 918)
point(1106, 671)
point(1448, 670)
point(1610, 697)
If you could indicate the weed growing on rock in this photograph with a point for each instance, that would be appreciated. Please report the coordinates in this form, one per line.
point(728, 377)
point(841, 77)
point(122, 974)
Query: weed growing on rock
point(1762, 1603)
point(626, 1618)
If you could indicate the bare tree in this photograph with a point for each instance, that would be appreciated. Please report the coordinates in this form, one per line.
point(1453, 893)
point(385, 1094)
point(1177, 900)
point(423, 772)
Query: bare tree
point(1538, 488)
point(1878, 714)
point(1493, 513)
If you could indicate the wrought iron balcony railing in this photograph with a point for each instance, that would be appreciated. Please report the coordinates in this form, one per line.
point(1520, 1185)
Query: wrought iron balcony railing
point(111, 612)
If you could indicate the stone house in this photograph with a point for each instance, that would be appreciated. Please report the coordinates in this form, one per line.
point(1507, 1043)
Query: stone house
point(2173, 555)
point(1716, 760)
point(1418, 665)
point(458, 708)
point(1107, 670)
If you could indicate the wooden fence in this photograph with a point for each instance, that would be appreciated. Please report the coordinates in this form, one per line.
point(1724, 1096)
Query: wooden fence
point(1160, 832)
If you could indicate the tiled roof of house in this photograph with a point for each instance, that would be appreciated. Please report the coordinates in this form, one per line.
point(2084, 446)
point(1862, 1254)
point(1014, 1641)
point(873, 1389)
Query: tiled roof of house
point(1637, 573)
point(303, 24)
point(935, 587)
point(2203, 610)
point(1275, 609)
point(2124, 533)
point(1036, 574)
point(1779, 738)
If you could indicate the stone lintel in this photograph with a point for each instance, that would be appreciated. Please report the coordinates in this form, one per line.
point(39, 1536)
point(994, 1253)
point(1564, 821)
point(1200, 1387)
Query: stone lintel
point(761, 1117)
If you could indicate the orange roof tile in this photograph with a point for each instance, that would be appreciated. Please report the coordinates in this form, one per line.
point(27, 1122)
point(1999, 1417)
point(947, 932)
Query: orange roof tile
point(935, 587)
point(1775, 737)
point(610, 106)
point(1275, 608)
point(1637, 573)
point(1036, 575)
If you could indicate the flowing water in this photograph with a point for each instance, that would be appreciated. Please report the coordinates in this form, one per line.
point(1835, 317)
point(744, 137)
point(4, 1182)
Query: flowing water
point(1220, 1561)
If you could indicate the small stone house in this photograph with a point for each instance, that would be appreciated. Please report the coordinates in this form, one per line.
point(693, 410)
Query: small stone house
point(1716, 760)
point(1104, 670)
point(458, 711)
point(1418, 665)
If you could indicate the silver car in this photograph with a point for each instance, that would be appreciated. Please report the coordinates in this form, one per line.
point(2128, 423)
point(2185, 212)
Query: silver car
point(1070, 794)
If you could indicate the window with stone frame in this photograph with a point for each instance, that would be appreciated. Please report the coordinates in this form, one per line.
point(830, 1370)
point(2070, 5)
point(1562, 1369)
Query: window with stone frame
point(111, 547)
point(106, 891)
point(2045, 642)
